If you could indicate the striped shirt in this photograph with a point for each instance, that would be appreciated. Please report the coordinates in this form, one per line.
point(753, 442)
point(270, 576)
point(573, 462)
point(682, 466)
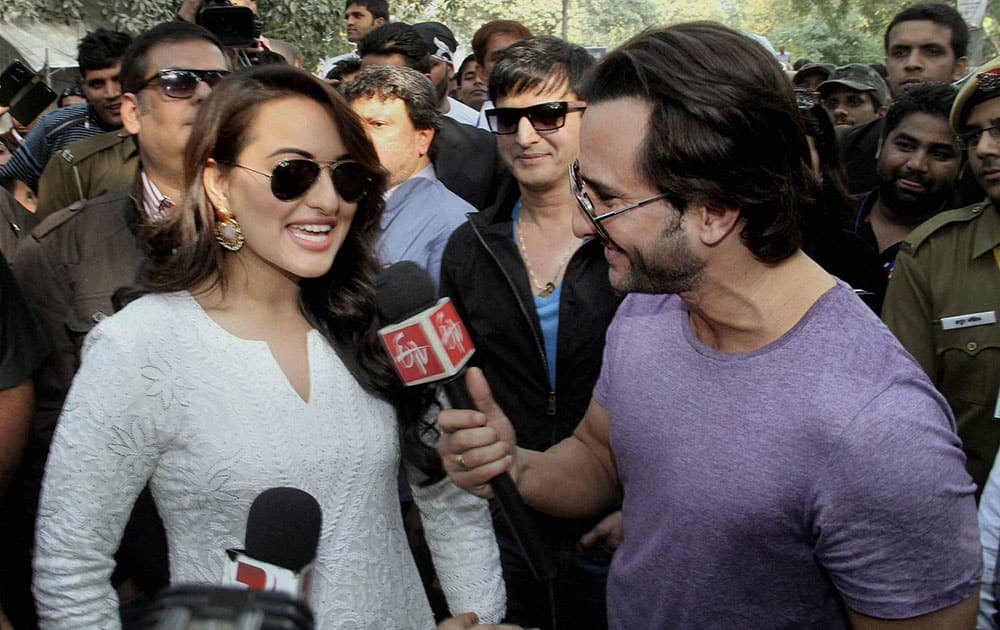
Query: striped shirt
point(154, 202)
point(52, 132)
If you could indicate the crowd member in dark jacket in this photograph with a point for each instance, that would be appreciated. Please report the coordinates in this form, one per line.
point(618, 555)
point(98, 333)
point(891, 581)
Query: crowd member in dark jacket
point(923, 42)
point(537, 302)
point(826, 234)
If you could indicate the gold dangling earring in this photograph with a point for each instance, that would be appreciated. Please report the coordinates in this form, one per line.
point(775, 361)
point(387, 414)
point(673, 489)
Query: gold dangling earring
point(227, 230)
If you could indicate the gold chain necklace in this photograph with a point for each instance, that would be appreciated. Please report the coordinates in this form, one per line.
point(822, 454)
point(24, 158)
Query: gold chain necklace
point(543, 290)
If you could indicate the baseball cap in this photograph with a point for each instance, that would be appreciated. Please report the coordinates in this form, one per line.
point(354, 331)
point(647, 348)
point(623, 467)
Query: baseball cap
point(826, 69)
point(860, 77)
point(983, 85)
point(439, 39)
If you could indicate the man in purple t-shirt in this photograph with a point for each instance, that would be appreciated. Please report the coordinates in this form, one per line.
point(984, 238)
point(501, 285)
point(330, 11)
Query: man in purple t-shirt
point(780, 460)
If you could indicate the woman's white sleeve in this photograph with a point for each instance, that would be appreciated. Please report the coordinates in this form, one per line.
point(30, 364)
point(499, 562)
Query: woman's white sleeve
point(459, 534)
point(103, 452)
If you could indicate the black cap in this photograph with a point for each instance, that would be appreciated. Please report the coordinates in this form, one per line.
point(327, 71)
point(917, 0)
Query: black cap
point(439, 39)
point(823, 69)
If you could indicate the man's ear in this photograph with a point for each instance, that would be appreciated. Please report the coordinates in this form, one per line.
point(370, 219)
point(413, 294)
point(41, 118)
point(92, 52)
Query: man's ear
point(131, 108)
point(713, 225)
point(424, 139)
point(378, 21)
point(961, 66)
point(215, 182)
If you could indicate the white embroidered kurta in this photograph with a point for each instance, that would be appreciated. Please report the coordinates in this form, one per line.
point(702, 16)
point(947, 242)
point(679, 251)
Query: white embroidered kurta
point(165, 394)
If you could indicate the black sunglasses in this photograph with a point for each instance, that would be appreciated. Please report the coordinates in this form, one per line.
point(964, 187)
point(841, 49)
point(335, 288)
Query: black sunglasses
point(291, 179)
point(543, 117)
point(179, 83)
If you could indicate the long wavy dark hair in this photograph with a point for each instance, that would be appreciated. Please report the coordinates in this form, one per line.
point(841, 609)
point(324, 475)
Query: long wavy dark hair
point(834, 207)
point(182, 252)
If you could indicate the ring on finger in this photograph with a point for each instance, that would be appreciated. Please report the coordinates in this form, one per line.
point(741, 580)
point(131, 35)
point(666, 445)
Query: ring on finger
point(460, 460)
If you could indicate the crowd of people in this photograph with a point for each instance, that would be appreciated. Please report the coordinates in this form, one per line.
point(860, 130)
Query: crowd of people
point(735, 322)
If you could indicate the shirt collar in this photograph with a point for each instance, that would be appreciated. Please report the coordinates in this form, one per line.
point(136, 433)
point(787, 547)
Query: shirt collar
point(426, 172)
point(987, 235)
point(154, 202)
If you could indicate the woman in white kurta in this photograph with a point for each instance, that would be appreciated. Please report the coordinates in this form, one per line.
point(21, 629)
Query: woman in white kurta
point(254, 364)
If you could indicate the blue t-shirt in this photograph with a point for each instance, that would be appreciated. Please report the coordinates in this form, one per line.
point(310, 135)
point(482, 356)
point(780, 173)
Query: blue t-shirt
point(771, 488)
point(547, 309)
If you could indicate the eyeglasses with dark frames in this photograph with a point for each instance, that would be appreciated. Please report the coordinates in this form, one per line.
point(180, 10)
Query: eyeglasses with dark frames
point(543, 117)
point(969, 138)
point(576, 185)
point(291, 179)
point(182, 83)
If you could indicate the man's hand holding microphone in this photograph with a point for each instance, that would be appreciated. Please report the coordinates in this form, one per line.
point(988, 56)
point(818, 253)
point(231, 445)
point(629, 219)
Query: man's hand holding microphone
point(477, 445)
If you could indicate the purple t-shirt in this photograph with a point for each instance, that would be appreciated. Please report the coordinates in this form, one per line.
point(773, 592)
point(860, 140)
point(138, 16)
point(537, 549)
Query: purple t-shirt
point(769, 489)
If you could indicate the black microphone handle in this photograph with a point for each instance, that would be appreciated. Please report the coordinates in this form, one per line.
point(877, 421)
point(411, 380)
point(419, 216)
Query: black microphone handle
point(512, 505)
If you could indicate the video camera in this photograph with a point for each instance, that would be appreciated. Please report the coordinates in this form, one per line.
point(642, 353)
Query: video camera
point(234, 25)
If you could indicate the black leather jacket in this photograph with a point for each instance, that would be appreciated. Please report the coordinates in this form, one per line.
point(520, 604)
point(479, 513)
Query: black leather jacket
point(483, 274)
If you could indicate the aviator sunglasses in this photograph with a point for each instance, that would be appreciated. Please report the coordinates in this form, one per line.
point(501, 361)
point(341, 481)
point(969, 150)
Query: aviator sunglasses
point(293, 178)
point(178, 83)
point(543, 117)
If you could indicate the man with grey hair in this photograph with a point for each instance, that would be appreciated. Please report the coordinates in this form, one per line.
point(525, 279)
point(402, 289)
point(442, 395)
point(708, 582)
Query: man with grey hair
point(399, 108)
point(465, 158)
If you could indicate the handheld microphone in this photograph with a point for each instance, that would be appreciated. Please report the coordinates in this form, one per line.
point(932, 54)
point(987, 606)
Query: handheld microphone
point(264, 584)
point(428, 342)
point(282, 536)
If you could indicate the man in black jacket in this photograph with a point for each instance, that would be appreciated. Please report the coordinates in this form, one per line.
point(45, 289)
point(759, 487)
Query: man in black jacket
point(537, 301)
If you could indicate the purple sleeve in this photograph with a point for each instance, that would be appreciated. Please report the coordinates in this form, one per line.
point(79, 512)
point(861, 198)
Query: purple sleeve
point(894, 513)
point(601, 388)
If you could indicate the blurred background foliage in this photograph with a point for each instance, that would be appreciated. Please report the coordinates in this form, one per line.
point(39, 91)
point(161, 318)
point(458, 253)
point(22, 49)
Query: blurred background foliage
point(835, 31)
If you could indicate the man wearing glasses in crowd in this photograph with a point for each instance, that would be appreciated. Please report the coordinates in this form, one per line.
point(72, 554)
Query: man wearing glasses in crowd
point(944, 296)
point(537, 302)
point(781, 460)
point(77, 260)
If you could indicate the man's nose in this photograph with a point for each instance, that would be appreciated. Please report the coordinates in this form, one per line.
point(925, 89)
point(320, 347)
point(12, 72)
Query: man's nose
point(918, 161)
point(914, 61)
point(582, 225)
point(526, 134)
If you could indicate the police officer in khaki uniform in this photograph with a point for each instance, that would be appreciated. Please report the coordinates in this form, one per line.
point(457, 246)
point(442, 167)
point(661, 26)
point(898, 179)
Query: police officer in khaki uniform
point(87, 169)
point(943, 300)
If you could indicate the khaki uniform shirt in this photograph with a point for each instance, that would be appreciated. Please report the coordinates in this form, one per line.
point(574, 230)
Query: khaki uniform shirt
point(87, 169)
point(69, 269)
point(943, 303)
